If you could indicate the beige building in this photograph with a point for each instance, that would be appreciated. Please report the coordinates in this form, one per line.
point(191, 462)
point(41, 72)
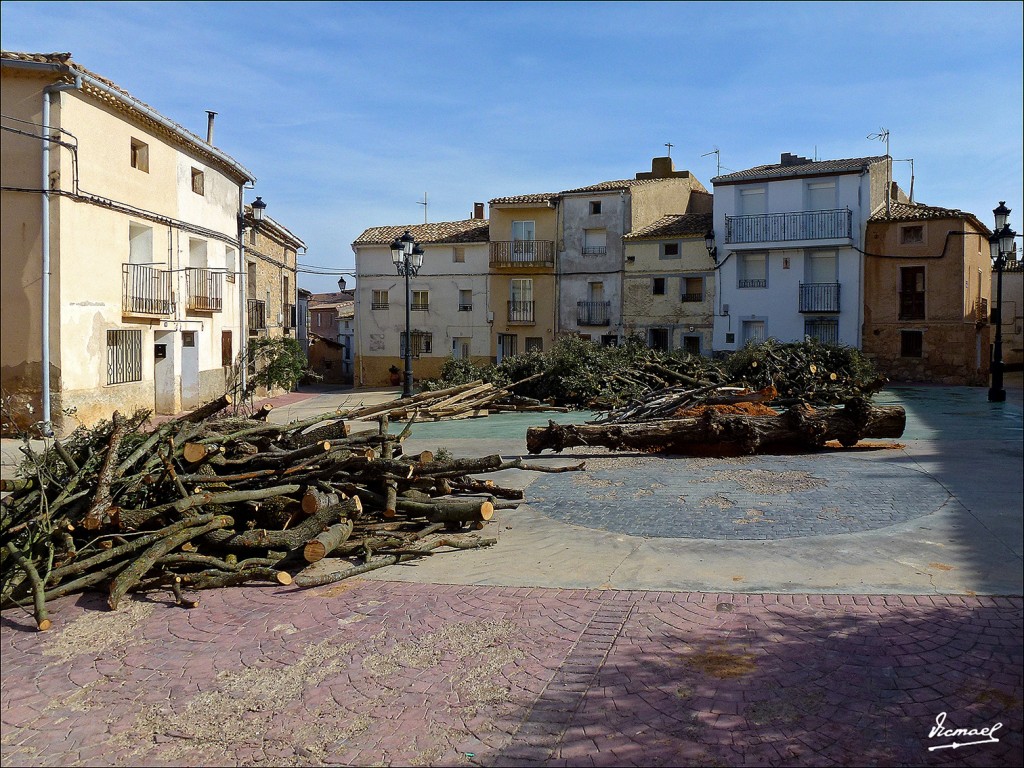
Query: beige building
point(1013, 313)
point(927, 294)
point(118, 289)
point(271, 251)
point(332, 327)
point(522, 299)
point(447, 303)
point(669, 284)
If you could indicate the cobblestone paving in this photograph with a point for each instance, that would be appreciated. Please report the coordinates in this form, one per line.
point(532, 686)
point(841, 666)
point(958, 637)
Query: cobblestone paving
point(751, 497)
point(385, 673)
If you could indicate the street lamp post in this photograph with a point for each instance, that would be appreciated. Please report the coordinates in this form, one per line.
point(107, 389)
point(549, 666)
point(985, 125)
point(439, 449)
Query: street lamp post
point(258, 207)
point(407, 256)
point(1001, 245)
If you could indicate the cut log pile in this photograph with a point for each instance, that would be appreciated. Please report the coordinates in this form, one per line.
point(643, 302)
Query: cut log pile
point(204, 501)
point(474, 399)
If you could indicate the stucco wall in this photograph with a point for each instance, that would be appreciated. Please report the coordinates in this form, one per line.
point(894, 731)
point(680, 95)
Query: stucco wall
point(379, 331)
point(89, 244)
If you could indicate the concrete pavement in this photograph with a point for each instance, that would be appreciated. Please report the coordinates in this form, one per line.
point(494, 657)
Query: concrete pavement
point(877, 618)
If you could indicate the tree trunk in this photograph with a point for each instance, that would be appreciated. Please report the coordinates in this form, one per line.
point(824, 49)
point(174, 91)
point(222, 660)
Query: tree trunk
point(802, 427)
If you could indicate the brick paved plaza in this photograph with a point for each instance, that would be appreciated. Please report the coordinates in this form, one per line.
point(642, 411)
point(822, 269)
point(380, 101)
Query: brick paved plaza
point(835, 639)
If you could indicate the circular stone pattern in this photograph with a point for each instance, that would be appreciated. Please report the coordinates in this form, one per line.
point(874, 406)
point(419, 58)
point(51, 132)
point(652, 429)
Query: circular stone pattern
point(750, 497)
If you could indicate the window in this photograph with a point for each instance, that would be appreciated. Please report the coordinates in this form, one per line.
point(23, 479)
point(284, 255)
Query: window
point(458, 254)
point(595, 207)
point(912, 306)
point(140, 155)
point(140, 244)
point(670, 250)
point(198, 182)
point(609, 340)
point(520, 305)
point(422, 343)
point(823, 329)
point(821, 195)
point(691, 344)
point(524, 230)
point(534, 344)
point(753, 201)
point(693, 289)
point(252, 235)
point(379, 300)
point(657, 338)
point(226, 354)
point(820, 266)
point(753, 270)
point(420, 301)
point(124, 356)
point(753, 331)
point(595, 242)
point(911, 343)
point(658, 287)
point(229, 262)
point(465, 300)
point(912, 235)
point(506, 345)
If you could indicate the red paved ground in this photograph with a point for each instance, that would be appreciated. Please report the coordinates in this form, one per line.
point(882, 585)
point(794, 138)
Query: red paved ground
point(384, 673)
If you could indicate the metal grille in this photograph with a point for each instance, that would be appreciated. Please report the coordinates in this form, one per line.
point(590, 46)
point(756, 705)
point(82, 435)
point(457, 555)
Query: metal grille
point(823, 329)
point(204, 289)
point(798, 225)
point(593, 312)
point(520, 312)
point(124, 356)
point(819, 297)
point(145, 291)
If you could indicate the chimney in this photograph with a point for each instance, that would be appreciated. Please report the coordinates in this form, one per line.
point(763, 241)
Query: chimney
point(478, 210)
point(209, 126)
point(790, 159)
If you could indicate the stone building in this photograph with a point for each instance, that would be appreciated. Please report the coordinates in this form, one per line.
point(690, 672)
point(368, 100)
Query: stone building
point(668, 287)
point(927, 294)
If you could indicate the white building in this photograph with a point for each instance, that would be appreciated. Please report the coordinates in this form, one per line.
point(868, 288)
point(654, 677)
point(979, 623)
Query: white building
point(448, 300)
point(789, 239)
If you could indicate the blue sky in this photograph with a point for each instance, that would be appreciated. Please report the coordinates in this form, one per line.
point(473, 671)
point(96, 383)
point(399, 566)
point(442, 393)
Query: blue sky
point(347, 113)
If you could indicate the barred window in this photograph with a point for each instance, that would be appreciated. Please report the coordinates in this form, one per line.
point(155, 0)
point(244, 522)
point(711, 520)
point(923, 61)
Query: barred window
point(422, 343)
point(124, 356)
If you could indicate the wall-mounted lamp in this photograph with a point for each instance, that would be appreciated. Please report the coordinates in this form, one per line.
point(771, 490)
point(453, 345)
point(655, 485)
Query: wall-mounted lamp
point(709, 243)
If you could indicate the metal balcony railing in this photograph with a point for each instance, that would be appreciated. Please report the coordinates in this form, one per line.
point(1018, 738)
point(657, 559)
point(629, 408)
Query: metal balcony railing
point(522, 253)
point(378, 305)
point(595, 250)
point(593, 312)
point(981, 316)
point(257, 314)
point(912, 305)
point(798, 225)
point(205, 289)
point(747, 282)
point(520, 312)
point(692, 297)
point(420, 306)
point(819, 297)
point(145, 290)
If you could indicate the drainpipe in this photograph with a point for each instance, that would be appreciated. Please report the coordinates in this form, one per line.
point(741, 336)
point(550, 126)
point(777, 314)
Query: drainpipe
point(48, 91)
point(243, 311)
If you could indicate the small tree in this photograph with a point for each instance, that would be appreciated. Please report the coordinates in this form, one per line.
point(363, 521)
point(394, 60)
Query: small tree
point(272, 364)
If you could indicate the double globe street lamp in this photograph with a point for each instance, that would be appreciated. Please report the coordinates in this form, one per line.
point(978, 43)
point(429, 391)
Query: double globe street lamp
point(407, 255)
point(1001, 244)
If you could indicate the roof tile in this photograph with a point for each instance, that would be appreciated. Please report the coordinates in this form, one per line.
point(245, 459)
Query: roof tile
point(674, 225)
point(467, 231)
point(809, 168)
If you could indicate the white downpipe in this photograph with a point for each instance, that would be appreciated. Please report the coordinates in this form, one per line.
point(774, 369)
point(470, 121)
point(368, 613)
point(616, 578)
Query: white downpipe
point(47, 420)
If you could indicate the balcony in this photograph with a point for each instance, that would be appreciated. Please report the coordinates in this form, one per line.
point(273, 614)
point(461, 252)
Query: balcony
point(593, 312)
point(205, 289)
point(521, 312)
point(832, 224)
point(144, 290)
point(522, 253)
point(819, 297)
point(981, 316)
point(257, 315)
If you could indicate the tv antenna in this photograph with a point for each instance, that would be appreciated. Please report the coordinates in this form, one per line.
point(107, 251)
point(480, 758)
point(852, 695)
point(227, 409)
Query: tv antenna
point(883, 135)
point(718, 160)
point(423, 202)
